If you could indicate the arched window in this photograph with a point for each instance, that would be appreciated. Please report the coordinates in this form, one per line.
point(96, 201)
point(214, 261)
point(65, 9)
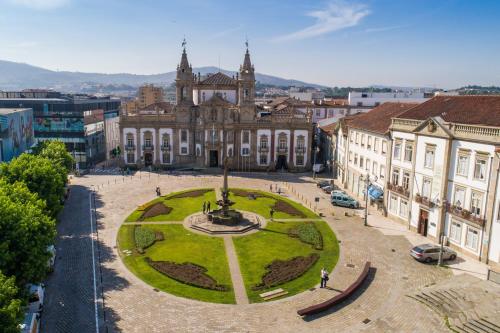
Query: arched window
point(282, 141)
point(263, 141)
point(230, 152)
point(300, 141)
point(203, 96)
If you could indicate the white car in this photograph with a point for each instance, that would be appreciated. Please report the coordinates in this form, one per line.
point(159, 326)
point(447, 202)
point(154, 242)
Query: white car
point(31, 323)
point(36, 297)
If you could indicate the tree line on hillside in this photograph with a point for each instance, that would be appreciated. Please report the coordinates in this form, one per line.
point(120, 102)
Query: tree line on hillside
point(31, 193)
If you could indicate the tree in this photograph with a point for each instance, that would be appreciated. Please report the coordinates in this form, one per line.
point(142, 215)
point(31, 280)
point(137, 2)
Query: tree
point(40, 175)
point(25, 233)
point(56, 152)
point(10, 306)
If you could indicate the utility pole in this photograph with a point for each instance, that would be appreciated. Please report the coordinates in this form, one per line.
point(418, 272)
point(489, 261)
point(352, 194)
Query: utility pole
point(441, 240)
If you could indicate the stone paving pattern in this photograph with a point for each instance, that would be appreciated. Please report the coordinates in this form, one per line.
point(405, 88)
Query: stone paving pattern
point(133, 306)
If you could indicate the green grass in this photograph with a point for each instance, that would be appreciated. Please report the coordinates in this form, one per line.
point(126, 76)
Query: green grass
point(258, 250)
point(180, 245)
point(181, 207)
point(262, 205)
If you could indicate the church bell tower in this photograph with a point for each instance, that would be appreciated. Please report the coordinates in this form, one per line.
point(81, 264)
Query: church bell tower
point(184, 80)
point(246, 82)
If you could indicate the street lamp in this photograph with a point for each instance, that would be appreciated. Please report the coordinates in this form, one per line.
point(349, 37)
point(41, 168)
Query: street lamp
point(367, 181)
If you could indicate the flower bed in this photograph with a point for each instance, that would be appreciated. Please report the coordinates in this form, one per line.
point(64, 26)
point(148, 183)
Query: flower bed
point(285, 207)
point(307, 233)
point(191, 194)
point(187, 273)
point(281, 271)
point(145, 237)
point(245, 193)
point(154, 210)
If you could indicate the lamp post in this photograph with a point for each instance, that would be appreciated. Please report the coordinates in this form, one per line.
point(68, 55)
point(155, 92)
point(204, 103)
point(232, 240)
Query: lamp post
point(366, 179)
point(441, 241)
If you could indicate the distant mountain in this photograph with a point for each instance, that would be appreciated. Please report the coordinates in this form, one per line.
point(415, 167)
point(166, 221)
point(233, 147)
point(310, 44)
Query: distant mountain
point(14, 76)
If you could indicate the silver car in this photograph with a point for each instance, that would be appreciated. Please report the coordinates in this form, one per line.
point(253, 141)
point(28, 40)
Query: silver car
point(430, 252)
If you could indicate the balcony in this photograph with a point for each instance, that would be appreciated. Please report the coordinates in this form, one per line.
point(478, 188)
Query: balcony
point(424, 201)
point(263, 149)
point(465, 214)
point(129, 147)
point(300, 150)
point(282, 150)
point(149, 147)
point(398, 189)
point(166, 147)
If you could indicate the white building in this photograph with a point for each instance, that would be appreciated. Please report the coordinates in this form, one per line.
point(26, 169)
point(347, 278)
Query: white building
point(373, 99)
point(444, 172)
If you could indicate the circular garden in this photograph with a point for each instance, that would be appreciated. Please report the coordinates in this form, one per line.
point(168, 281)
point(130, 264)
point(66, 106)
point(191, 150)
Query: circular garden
point(288, 253)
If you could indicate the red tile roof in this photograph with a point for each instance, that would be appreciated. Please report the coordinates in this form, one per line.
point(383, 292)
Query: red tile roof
point(328, 128)
point(160, 105)
point(378, 120)
point(473, 110)
point(218, 79)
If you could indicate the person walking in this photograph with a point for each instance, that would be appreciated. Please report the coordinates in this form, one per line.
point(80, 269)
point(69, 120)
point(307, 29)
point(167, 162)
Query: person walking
point(271, 212)
point(324, 277)
point(270, 187)
point(204, 207)
point(208, 207)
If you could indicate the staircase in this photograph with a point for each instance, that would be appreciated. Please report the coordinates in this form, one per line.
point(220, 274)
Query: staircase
point(463, 317)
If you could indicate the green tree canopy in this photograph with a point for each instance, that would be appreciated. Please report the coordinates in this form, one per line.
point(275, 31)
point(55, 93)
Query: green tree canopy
point(25, 233)
point(56, 152)
point(40, 175)
point(10, 305)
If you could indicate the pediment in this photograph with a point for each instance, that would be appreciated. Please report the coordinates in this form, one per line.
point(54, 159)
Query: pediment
point(433, 126)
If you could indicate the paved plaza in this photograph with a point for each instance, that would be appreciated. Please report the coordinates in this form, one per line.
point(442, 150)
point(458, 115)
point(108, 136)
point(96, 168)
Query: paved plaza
point(130, 305)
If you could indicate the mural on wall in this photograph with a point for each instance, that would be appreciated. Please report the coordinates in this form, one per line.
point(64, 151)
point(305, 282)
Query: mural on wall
point(59, 124)
point(16, 133)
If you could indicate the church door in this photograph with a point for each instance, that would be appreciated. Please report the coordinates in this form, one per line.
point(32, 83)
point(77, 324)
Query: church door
point(281, 162)
point(214, 158)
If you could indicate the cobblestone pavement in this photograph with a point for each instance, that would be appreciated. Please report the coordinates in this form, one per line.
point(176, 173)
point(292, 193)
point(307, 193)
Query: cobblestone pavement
point(133, 306)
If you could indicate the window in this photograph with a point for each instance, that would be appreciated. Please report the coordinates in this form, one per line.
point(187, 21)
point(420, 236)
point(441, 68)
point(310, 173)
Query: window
point(318, 112)
point(230, 152)
point(459, 197)
point(263, 141)
point(476, 203)
point(456, 231)
point(299, 159)
point(245, 151)
point(369, 143)
point(213, 135)
point(355, 159)
point(130, 142)
point(408, 151)
point(375, 145)
point(395, 176)
point(357, 138)
point(301, 141)
point(166, 157)
point(350, 156)
point(393, 204)
point(361, 160)
point(403, 208)
point(362, 140)
point(203, 96)
point(166, 140)
point(472, 238)
point(463, 164)
point(282, 142)
point(368, 165)
point(184, 150)
point(246, 137)
point(263, 159)
point(352, 137)
point(397, 150)
point(184, 135)
point(480, 168)
point(429, 156)
point(375, 168)
point(426, 187)
point(384, 147)
point(130, 158)
point(406, 180)
point(382, 172)
point(147, 142)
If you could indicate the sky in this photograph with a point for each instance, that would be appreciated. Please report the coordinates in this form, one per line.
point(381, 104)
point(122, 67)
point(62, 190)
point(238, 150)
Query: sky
point(427, 43)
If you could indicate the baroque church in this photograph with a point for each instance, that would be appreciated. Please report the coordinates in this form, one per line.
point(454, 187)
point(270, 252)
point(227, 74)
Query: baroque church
point(215, 117)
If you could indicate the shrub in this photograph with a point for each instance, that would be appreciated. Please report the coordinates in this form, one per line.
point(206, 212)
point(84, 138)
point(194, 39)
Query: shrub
point(144, 238)
point(307, 233)
point(281, 271)
point(191, 194)
point(154, 210)
point(245, 193)
point(187, 273)
point(285, 207)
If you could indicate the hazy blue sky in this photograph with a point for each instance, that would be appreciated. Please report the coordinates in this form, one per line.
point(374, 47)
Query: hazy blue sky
point(445, 43)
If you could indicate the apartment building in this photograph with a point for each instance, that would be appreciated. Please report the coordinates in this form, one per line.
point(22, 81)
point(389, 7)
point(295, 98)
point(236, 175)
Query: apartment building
point(443, 178)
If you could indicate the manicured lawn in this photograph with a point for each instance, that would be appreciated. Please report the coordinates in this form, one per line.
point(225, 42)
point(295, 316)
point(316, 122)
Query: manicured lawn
point(258, 250)
point(180, 246)
point(181, 207)
point(262, 205)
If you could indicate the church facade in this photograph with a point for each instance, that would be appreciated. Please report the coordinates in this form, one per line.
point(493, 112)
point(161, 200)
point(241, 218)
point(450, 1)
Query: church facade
point(215, 117)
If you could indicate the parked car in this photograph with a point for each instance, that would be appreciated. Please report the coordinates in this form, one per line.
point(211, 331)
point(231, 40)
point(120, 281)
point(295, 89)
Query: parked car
point(327, 189)
point(318, 168)
point(430, 252)
point(31, 323)
point(36, 297)
point(323, 183)
point(342, 199)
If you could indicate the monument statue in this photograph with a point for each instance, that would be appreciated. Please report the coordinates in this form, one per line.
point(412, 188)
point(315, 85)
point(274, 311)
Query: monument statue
point(224, 215)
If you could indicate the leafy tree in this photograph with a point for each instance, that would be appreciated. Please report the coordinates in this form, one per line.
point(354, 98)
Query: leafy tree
point(40, 175)
point(56, 152)
point(25, 233)
point(10, 306)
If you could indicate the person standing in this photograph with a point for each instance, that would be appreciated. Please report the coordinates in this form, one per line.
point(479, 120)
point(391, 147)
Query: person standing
point(271, 212)
point(270, 187)
point(208, 207)
point(204, 207)
point(324, 277)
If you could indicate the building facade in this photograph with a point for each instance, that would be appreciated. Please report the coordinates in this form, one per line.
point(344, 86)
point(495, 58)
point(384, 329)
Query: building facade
point(16, 132)
point(215, 117)
point(148, 94)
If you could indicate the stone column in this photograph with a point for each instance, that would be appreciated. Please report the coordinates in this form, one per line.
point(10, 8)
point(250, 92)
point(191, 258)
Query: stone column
point(157, 146)
point(137, 147)
point(291, 163)
point(490, 207)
